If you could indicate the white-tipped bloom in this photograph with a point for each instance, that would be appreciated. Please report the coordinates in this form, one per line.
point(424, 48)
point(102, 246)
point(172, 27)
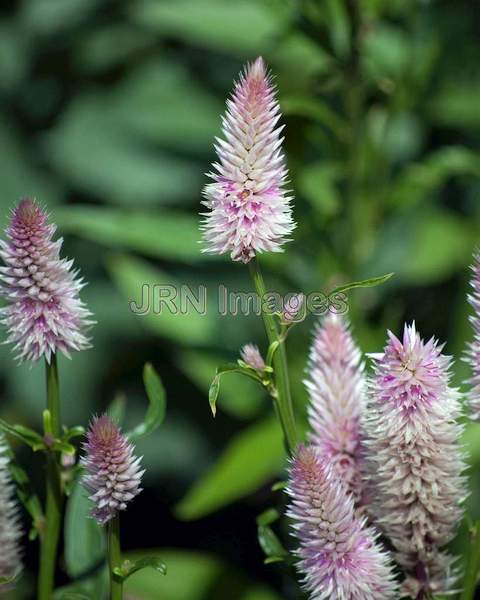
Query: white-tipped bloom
point(248, 208)
point(415, 458)
point(336, 386)
point(340, 558)
point(473, 353)
point(10, 529)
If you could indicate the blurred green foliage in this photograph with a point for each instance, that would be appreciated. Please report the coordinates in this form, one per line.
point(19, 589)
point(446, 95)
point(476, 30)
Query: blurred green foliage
point(108, 112)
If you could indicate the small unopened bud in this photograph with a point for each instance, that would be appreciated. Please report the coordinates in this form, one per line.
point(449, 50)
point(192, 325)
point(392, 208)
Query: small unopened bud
point(251, 356)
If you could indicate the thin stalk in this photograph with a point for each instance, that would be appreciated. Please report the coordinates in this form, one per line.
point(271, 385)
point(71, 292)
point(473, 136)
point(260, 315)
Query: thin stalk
point(114, 557)
point(283, 400)
point(473, 565)
point(50, 536)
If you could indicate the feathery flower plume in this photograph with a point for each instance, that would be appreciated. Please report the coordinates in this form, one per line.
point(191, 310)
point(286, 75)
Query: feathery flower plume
point(249, 209)
point(113, 472)
point(336, 386)
point(250, 355)
point(473, 352)
point(415, 458)
point(44, 312)
point(10, 529)
point(340, 558)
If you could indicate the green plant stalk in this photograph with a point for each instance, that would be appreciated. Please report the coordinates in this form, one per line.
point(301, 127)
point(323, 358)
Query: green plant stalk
point(473, 565)
point(53, 511)
point(283, 400)
point(114, 557)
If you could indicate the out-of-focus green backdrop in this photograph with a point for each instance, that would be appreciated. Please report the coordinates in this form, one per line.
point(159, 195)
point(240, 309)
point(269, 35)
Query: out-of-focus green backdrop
point(108, 112)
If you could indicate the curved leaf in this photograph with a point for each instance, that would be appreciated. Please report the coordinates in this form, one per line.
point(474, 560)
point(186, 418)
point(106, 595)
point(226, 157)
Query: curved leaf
point(157, 404)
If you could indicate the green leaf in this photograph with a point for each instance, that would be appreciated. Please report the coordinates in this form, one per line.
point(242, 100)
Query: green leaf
point(317, 111)
point(222, 370)
point(366, 283)
point(270, 544)
point(239, 28)
point(73, 432)
point(129, 567)
point(253, 457)
point(69, 594)
point(25, 434)
point(85, 545)
point(191, 576)
point(268, 517)
point(157, 404)
point(155, 234)
point(190, 327)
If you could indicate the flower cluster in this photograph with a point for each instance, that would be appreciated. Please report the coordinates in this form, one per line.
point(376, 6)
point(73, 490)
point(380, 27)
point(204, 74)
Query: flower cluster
point(415, 460)
point(248, 208)
point(336, 386)
point(473, 352)
point(44, 312)
point(10, 530)
point(113, 473)
point(340, 558)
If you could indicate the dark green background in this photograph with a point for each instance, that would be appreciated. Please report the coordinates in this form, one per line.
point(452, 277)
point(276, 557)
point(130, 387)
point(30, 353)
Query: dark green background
point(108, 112)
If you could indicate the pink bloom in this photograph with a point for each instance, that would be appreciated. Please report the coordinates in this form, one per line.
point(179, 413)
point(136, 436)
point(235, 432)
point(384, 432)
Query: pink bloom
point(248, 208)
point(10, 529)
point(336, 386)
point(473, 353)
point(251, 356)
point(44, 312)
point(415, 457)
point(340, 558)
point(294, 310)
point(113, 472)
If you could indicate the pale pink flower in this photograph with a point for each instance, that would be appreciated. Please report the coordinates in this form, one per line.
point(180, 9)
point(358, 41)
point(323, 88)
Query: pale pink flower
point(294, 309)
point(113, 473)
point(10, 528)
point(340, 557)
point(415, 458)
point(250, 355)
point(473, 352)
point(248, 207)
point(336, 387)
point(44, 313)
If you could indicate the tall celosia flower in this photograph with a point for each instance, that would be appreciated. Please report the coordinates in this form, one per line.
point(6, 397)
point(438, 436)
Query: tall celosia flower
point(10, 529)
point(113, 473)
point(415, 457)
point(336, 386)
point(340, 558)
point(249, 209)
point(250, 355)
point(473, 353)
point(44, 312)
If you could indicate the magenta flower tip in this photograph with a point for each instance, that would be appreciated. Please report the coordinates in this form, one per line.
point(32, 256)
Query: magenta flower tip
point(113, 473)
point(339, 555)
point(249, 209)
point(415, 457)
point(336, 387)
point(10, 527)
point(250, 355)
point(44, 312)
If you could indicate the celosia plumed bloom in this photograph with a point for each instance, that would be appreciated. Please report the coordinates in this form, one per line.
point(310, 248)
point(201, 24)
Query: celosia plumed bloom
point(415, 457)
point(44, 312)
point(10, 529)
point(336, 386)
point(249, 208)
point(473, 353)
point(250, 355)
point(113, 473)
point(340, 558)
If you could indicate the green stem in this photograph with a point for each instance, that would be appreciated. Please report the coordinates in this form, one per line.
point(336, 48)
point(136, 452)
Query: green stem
point(283, 401)
point(114, 557)
point(53, 511)
point(473, 565)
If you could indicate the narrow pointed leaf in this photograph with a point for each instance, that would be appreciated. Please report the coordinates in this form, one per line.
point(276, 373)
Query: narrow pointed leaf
point(129, 567)
point(366, 283)
point(237, 367)
point(157, 404)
